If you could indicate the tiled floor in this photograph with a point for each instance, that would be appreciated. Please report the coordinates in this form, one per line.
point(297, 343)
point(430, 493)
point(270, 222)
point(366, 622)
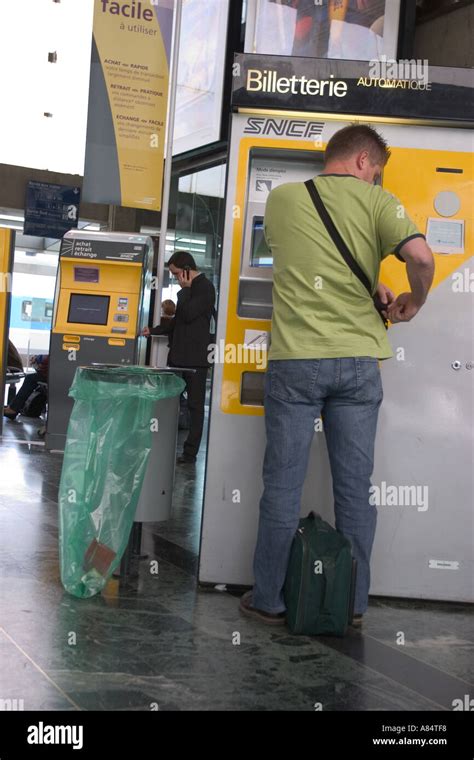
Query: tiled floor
point(159, 640)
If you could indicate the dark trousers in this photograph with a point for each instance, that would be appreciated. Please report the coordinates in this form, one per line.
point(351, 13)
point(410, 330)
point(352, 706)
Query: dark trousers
point(29, 384)
point(196, 392)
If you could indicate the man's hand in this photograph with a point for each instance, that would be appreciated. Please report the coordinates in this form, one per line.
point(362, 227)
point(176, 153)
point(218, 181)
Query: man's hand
point(146, 332)
point(404, 308)
point(386, 296)
point(184, 278)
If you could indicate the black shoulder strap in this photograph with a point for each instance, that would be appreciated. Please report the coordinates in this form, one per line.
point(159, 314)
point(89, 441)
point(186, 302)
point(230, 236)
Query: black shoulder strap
point(335, 236)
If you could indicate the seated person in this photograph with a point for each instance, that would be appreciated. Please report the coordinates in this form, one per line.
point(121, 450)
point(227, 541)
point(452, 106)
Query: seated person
point(16, 406)
point(14, 365)
point(14, 359)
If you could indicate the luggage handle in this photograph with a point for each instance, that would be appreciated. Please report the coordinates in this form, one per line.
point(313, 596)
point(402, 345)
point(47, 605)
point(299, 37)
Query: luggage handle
point(313, 516)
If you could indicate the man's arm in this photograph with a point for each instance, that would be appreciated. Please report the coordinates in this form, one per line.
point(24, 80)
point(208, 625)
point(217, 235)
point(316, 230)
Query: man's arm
point(165, 329)
point(192, 305)
point(420, 271)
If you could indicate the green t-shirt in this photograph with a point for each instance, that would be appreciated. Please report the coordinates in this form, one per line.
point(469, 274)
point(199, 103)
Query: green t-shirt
point(320, 308)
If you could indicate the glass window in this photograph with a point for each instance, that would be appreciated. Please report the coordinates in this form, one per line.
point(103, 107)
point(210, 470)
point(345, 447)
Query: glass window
point(199, 213)
point(32, 299)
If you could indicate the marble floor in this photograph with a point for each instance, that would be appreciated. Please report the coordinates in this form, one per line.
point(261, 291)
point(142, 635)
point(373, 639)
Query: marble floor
point(159, 641)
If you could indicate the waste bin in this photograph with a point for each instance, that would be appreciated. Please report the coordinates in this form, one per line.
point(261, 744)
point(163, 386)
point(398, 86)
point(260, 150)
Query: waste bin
point(108, 443)
point(154, 504)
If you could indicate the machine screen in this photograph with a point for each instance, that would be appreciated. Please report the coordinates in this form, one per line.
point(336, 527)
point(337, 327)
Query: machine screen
point(88, 310)
point(261, 255)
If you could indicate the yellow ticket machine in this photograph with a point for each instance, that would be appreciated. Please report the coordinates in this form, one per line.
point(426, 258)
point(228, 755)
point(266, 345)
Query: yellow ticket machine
point(285, 111)
point(101, 304)
point(7, 247)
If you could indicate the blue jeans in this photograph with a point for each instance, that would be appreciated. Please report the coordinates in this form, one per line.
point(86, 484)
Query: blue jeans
point(347, 394)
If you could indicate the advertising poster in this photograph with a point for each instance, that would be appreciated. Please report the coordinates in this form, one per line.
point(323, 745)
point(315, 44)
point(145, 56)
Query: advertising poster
point(128, 102)
point(349, 29)
point(51, 210)
point(200, 74)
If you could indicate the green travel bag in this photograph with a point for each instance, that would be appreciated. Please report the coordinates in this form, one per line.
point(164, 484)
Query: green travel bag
point(320, 581)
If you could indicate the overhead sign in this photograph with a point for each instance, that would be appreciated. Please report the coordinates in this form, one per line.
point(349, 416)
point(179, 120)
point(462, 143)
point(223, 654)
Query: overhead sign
point(128, 103)
point(404, 89)
point(51, 210)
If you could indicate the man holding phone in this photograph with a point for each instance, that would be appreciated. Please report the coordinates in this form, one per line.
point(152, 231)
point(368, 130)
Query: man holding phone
point(189, 333)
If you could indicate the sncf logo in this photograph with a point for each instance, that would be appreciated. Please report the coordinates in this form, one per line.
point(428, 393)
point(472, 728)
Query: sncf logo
point(259, 125)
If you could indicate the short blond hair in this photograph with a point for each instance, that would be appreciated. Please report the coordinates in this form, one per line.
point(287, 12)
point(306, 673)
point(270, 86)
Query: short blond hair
point(354, 139)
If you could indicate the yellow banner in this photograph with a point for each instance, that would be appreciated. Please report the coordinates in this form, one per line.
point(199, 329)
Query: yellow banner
point(7, 238)
point(128, 103)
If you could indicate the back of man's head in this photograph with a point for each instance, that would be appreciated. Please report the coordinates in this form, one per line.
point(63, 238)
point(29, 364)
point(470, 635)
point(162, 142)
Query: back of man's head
point(355, 139)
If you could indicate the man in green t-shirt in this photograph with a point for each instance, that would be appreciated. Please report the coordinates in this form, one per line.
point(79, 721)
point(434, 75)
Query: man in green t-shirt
point(326, 342)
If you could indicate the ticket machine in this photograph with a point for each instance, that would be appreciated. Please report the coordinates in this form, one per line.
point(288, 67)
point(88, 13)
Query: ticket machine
point(101, 304)
point(7, 248)
point(424, 447)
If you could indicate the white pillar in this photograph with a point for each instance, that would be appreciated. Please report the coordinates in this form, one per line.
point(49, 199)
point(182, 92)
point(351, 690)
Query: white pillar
point(167, 173)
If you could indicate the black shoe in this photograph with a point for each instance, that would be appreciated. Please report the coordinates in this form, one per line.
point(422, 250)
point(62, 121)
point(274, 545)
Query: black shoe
point(246, 608)
point(186, 459)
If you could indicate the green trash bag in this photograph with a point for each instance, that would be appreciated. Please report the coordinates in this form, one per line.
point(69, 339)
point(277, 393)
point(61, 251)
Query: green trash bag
point(105, 460)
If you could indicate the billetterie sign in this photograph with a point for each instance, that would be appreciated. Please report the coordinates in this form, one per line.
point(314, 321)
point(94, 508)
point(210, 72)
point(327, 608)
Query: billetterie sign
point(270, 81)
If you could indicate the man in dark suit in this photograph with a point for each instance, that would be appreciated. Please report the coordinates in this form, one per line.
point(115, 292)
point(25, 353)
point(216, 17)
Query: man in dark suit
point(189, 333)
